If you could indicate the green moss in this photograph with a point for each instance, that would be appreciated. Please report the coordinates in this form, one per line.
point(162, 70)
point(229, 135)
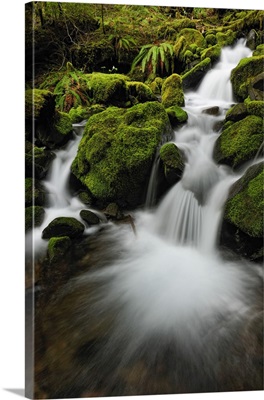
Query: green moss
point(57, 247)
point(256, 108)
point(156, 85)
point(237, 112)
point(140, 92)
point(63, 124)
point(35, 101)
point(172, 92)
point(108, 88)
point(176, 115)
point(194, 76)
point(172, 162)
point(259, 50)
point(34, 216)
point(211, 39)
point(116, 151)
point(243, 73)
point(63, 226)
point(81, 113)
point(245, 209)
point(226, 39)
point(213, 53)
point(239, 142)
point(193, 36)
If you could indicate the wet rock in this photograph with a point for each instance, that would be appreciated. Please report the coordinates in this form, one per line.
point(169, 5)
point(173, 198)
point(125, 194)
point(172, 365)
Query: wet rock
point(212, 111)
point(237, 112)
point(172, 91)
point(86, 198)
point(256, 87)
point(37, 161)
point(172, 163)
point(63, 226)
point(239, 142)
point(242, 229)
point(193, 77)
point(176, 115)
point(252, 38)
point(112, 211)
point(89, 217)
point(57, 248)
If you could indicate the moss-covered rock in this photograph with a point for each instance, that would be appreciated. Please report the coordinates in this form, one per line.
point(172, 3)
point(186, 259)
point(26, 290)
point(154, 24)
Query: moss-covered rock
point(211, 39)
point(244, 72)
point(57, 133)
point(213, 52)
point(140, 92)
point(176, 115)
point(193, 77)
point(58, 247)
point(259, 50)
point(34, 216)
point(256, 87)
point(255, 108)
point(239, 142)
point(243, 216)
point(86, 198)
point(156, 85)
point(39, 108)
point(172, 162)
point(109, 89)
point(63, 226)
point(116, 152)
point(90, 217)
point(226, 38)
point(237, 112)
point(34, 193)
point(252, 39)
point(81, 113)
point(172, 92)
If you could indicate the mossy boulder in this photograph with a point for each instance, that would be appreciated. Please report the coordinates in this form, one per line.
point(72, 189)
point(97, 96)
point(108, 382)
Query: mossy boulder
point(109, 89)
point(90, 217)
point(259, 50)
point(252, 39)
point(57, 131)
point(213, 52)
point(226, 38)
point(34, 216)
point(140, 92)
point(117, 149)
point(37, 161)
point(193, 77)
point(172, 92)
point(176, 115)
point(34, 193)
point(255, 108)
point(239, 142)
point(58, 247)
point(237, 112)
point(243, 73)
point(81, 113)
point(211, 39)
point(256, 87)
point(243, 215)
point(63, 226)
point(172, 162)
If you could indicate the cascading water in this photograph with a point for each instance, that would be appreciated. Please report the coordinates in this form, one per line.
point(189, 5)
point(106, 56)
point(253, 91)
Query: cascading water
point(170, 315)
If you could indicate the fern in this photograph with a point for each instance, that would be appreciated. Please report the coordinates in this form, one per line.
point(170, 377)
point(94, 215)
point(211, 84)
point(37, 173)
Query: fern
point(153, 58)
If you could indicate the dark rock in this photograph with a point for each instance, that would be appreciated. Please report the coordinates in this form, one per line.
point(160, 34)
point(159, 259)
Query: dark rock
point(193, 77)
point(256, 87)
point(85, 197)
point(252, 38)
point(172, 163)
point(63, 226)
point(57, 248)
point(212, 111)
point(89, 217)
point(237, 112)
point(113, 211)
point(37, 162)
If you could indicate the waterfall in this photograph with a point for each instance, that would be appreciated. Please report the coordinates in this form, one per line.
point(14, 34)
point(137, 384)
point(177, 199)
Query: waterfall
point(169, 314)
